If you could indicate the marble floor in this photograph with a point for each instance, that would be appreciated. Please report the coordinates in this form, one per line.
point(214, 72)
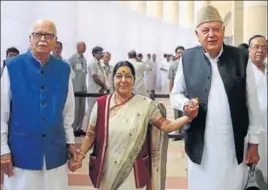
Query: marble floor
point(176, 165)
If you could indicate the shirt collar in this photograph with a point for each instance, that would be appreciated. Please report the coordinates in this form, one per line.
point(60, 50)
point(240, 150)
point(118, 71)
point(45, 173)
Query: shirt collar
point(216, 58)
point(79, 56)
point(265, 66)
point(30, 51)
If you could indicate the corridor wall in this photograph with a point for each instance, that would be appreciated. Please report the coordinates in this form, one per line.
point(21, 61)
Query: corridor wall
point(105, 23)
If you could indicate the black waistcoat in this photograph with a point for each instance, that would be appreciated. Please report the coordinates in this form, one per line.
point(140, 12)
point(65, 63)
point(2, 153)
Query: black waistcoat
point(197, 73)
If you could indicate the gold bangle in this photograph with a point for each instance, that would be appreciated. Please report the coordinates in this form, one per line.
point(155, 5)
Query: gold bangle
point(82, 154)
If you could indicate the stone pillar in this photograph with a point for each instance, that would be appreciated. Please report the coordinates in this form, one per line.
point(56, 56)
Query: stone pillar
point(137, 5)
point(170, 11)
point(186, 14)
point(154, 9)
point(237, 22)
point(255, 19)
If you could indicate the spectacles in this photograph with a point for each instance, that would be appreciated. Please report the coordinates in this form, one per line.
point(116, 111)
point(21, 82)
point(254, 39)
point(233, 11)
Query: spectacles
point(39, 35)
point(257, 47)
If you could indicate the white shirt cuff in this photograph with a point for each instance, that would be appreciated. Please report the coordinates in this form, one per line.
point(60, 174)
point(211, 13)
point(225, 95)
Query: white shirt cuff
point(253, 138)
point(70, 139)
point(4, 150)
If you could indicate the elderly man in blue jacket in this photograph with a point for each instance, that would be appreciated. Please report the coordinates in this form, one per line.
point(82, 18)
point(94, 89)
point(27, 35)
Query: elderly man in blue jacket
point(37, 112)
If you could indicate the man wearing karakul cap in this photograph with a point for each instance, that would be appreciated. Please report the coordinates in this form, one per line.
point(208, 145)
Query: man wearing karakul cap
point(227, 112)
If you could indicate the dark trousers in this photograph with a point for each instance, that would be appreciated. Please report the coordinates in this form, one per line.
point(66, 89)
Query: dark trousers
point(178, 114)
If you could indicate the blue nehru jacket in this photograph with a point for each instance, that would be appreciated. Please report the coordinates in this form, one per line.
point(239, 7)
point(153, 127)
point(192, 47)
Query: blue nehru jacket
point(36, 127)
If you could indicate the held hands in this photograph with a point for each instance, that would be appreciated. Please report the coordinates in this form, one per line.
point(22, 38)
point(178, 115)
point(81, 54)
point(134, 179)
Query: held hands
point(6, 164)
point(73, 157)
point(75, 164)
point(191, 108)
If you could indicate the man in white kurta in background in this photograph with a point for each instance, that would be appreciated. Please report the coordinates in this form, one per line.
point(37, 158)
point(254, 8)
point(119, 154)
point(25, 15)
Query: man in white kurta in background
point(171, 76)
point(165, 65)
point(96, 81)
point(219, 77)
point(108, 71)
point(11, 52)
point(257, 55)
point(37, 112)
point(140, 67)
point(150, 76)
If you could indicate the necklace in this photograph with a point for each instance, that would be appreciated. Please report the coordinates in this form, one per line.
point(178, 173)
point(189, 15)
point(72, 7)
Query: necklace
point(120, 104)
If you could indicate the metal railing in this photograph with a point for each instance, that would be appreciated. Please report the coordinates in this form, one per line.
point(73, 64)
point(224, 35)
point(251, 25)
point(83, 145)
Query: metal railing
point(153, 96)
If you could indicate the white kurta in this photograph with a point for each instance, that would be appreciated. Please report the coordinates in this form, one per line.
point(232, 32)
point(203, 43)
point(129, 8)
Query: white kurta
point(219, 169)
point(94, 68)
point(261, 83)
point(164, 76)
point(140, 87)
point(108, 76)
point(54, 179)
point(150, 76)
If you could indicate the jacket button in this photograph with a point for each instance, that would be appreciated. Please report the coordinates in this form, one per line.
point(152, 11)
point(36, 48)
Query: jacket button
point(42, 72)
point(42, 87)
point(43, 118)
point(237, 77)
point(208, 78)
point(206, 91)
point(44, 135)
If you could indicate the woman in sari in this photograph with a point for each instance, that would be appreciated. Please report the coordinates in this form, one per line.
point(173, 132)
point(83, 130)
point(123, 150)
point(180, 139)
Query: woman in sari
point(118, 131)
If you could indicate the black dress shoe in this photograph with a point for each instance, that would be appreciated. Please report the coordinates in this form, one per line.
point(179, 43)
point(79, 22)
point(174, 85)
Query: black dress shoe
point(83, 133)
point(77, 133)
point(178, 137)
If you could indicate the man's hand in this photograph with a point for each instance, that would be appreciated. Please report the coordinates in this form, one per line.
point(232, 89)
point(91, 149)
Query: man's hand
point(6, 164)
point(78, 164)
point(73, 157)
point(191, 108)
point(252, 156)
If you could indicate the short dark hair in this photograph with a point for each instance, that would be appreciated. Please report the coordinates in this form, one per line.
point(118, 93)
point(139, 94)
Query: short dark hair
point(132, 54)
point(254, 37)
point(124, 63)
point(60, 43)
point(140, 55)
point(12, 50)
point(244, 46)
point(97, 49)
point(179, 47)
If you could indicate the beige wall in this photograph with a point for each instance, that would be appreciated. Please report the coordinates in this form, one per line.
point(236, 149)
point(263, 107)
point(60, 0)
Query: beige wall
point(225, 8)
point(255, 19)
point(242, 18)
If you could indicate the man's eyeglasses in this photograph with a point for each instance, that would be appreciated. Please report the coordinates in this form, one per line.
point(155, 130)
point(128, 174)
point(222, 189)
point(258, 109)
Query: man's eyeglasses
point(257, 47)
point(39, 35)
